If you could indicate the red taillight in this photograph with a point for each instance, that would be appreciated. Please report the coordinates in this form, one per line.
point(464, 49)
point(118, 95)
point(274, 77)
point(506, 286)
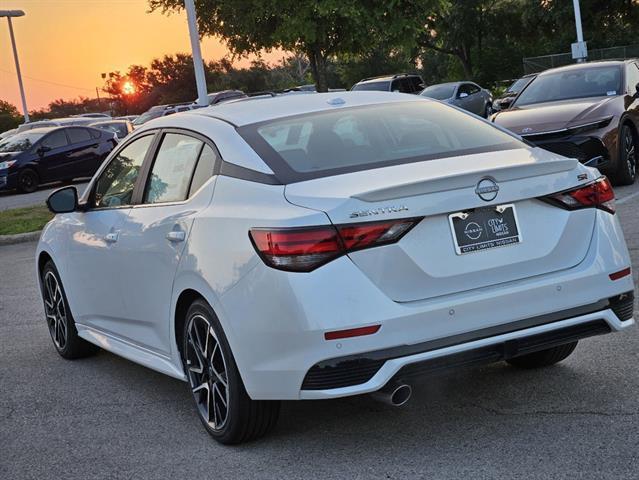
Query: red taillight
point(305, 248)
point(620, 274)
point(598, 194)
point(297, 249)
point(363, 235)
point(351, 332)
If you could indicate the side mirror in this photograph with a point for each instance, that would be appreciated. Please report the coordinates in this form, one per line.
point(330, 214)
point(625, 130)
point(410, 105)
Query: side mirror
point(463, 95)
point(63, 200)
point(43, 149)
point(504, 104)
point(637, 90)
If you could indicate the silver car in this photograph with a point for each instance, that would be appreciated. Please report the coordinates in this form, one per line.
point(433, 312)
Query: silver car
point(466, 95)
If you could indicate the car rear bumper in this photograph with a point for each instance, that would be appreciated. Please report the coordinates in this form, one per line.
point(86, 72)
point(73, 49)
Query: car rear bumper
point(370, 371)
point(276, 327)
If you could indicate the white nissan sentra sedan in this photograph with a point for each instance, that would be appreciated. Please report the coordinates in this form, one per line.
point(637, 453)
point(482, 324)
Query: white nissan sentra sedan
point(319, 246)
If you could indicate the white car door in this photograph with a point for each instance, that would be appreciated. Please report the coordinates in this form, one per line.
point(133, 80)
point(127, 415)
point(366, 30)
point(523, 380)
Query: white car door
point(153, 236)
point(95, 296)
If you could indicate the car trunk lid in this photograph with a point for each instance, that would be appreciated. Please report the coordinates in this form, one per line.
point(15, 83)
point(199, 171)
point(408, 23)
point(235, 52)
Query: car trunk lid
point(425, 263)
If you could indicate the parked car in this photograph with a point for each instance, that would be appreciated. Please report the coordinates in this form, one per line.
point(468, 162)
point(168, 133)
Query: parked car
point(130, 118)
point(224, 95)
point(402, 82)
point(121, 128)
point(161, 111)
point(44, 155)
point(504, 101)
point(25, 127)
point(8, 133)
point(103, 116)
point(466, 95)
point(585, 111)
point(75, 121)
point(321, 246)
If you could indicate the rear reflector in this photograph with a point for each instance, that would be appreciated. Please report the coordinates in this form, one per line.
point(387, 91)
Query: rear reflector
point(352, 332)
point(620, 274)
point(597, 194)
point(302, 249)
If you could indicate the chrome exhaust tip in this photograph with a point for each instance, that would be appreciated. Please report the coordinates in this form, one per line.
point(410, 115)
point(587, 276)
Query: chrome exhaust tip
point(394, 394)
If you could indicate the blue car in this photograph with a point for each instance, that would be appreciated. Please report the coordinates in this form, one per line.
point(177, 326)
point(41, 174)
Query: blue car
point(45, 155)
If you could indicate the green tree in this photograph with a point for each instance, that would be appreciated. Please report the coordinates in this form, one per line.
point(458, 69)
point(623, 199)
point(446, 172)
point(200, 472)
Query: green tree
point(10, 117)
point(318, 29)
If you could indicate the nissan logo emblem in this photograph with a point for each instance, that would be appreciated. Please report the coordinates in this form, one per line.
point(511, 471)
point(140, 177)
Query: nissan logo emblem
point(487, 189)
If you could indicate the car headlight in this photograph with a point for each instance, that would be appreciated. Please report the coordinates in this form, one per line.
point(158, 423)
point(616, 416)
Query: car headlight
point(595, 125)
point(6, 164)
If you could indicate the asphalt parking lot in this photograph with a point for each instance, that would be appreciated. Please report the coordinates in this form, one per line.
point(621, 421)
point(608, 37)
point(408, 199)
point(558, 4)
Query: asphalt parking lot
point(105, 417)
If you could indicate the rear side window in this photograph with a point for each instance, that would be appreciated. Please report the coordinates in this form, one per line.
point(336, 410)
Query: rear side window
point(78, 135)
point(170, 177)
point(55, 139)
point(114, 187)
point(361, 138)
point(204, 169)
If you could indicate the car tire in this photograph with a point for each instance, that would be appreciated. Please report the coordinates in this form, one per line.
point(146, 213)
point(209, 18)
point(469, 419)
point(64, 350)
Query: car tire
point(28, 181)
point(626, 171)
point(59, 318)
point(543, 358)
point(216, 384)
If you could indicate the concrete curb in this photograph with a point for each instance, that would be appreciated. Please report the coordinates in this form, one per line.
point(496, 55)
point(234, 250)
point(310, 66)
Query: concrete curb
point(20, 238)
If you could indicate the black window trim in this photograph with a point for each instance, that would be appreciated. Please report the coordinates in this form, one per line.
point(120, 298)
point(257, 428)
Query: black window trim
point(138, 194)
point(66, 130)
point(221, 167)
point(88, 202)
point(148, 167)
point(63, 130)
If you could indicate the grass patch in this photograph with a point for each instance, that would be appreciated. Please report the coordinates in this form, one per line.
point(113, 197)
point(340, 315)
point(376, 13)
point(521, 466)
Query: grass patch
point(23, 220)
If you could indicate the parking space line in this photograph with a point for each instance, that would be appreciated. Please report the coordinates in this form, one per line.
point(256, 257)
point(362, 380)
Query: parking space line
point(623, 200)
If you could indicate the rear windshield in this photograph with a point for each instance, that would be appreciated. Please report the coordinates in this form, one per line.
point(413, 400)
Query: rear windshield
point(360, 138)
point(149, 115)
point(376, 86)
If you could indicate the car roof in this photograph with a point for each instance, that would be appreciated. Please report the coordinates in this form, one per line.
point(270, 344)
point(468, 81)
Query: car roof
point(446, 83)
point(245, 113)
point(103, 122)
point(388, 78)
point(579, 66)
point(42, 130)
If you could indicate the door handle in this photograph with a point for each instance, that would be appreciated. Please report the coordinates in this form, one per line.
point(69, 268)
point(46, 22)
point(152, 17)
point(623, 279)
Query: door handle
point(111, 237)
point(176, 236)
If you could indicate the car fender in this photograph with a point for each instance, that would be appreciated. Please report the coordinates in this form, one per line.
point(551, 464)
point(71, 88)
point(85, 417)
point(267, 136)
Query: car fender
point(55, 249)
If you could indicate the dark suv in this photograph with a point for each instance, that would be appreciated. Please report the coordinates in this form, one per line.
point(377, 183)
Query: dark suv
point(403, 82)
point(45, 155)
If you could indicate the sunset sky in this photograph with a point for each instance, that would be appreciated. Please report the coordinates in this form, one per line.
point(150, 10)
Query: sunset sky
point(64, 45)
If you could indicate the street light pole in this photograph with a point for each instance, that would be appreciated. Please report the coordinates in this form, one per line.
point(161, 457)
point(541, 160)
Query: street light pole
point(9, 14)
point(200, 79)
point(579, 49)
